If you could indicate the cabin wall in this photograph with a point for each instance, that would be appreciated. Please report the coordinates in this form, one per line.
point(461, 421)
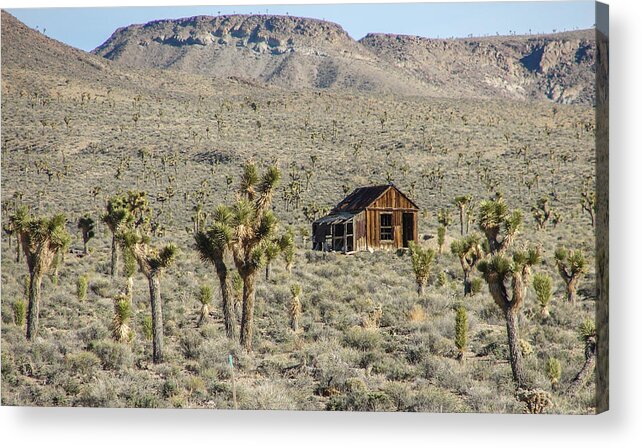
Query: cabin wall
point(394, 203)
point(360, 240)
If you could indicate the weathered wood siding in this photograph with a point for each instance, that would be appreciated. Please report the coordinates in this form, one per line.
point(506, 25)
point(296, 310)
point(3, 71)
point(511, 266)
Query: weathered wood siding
point(390, 202)
point(360, 241)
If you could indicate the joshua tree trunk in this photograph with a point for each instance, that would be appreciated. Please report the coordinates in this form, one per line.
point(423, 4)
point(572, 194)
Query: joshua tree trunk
point(85, 249)
point(461, 220)
point(513, 347)
point(544, 312)
point(420, 289)
point(157, 318)
point(267, 271)
point(33, 310)
point(585, 371)
point(130, 290)
point(571, 293)
point(114, 256)
point(247, 321)
point(468, 287)
point(228, 305)
point(18, 248)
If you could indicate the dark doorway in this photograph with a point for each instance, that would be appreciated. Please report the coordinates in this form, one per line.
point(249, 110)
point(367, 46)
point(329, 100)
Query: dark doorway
point(408, 224)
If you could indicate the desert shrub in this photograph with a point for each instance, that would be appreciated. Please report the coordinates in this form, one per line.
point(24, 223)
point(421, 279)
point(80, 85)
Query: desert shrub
point(272, 395)
point(362, 339)
point(84, 363)
point(170, 388)
point(93, 332)
point(393, 369)
point(417, 314)
point(434, 399)
point(102, 288)
point(361, 400)
point(113, 356)
point(97, 394)
point(553, 372)
point(190, 344)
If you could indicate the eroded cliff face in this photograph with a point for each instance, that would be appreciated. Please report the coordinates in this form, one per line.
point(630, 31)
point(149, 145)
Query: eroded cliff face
point(558, 67)
point(301, 53)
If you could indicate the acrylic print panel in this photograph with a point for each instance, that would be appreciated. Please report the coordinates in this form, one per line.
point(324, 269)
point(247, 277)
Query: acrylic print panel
point(282, 207)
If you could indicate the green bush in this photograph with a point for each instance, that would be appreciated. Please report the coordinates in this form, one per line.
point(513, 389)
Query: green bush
point(113, 356)
point(83, 363)
point(363, 339)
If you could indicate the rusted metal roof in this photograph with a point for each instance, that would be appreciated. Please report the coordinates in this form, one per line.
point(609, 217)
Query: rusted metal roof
point(362, 197)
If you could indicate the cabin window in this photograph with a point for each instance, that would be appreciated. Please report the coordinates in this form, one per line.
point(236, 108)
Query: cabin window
point(386, 227)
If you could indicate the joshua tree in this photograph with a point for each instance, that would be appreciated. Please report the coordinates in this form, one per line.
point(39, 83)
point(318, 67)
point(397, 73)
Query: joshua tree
point(542, 213)
point(542, 284)
point(130, 209)
point(213, 246)
point(588, 203)
point(295, 307)
point(421, 262)
point(81, 287)
point(205, 298)
point(254, 226)
point(587, 334)
point(16, 225)
point(86, 226)
point(554, 372)
point(469, 252)
point(42, 240)
point(461, 331)
point(462, 203)
point(286, 245)
point(151, 262)
point(120, 330)
point(495, 219)
point(115, 218)
point(572, 266)
point(507, 280)
point(441, 237)
point(444, 218)
point(271, 252)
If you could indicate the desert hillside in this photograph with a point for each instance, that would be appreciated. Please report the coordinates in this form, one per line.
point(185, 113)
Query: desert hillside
point(299, 53)
point(79, 130)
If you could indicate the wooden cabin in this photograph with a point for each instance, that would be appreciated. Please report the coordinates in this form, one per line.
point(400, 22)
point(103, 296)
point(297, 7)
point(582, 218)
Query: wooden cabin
point(369, 218)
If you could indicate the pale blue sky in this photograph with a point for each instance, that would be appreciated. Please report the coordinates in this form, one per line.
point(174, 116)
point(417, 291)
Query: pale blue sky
point(86, 28)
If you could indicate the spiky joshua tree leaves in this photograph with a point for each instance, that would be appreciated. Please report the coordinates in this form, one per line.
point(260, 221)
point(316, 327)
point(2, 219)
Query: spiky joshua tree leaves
point(543, 286)
point(571, 266)
point(16, 225)
point(120, 330)
point(461, 332)
point(469, 252)
point(87, 227)
point(421, 263)
point(205, 299)
point(499, 225)
point(507, 279)
point(42, 240)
